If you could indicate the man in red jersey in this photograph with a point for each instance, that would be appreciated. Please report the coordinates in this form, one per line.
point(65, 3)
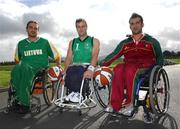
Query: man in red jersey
point(140, 51)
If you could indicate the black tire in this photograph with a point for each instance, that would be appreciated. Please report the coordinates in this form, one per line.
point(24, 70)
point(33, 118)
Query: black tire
point(59, 90)
point(80, 112)
point(159, 91)
point(102, 94)
point(61, 110)
point(49, 91)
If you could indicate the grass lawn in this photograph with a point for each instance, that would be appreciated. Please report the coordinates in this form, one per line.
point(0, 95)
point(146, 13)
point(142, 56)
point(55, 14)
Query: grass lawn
point(6, 68)
point(4, 78)
point(177, 61)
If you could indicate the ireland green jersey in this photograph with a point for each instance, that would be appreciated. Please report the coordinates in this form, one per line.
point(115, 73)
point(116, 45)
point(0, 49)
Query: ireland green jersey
point(82, 50)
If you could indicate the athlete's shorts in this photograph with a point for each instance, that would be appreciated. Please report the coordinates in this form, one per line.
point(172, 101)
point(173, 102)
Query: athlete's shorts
point(74, 76)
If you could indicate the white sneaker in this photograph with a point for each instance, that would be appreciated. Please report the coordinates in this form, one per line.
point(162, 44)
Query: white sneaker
point(109, 109)
point(127, 111)
point(67, 98)
point(75, 97)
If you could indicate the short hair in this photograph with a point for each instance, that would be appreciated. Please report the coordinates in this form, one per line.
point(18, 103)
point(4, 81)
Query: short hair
point(80, 20)
point(32, 21)
point(135, 15)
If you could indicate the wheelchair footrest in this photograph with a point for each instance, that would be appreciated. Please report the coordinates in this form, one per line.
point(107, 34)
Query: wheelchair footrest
point(87, 103)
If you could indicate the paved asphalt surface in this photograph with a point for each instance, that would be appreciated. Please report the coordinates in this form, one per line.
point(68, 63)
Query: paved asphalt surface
point(51, 118)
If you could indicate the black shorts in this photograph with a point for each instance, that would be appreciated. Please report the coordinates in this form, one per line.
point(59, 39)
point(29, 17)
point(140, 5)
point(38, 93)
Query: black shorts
point(74, 76)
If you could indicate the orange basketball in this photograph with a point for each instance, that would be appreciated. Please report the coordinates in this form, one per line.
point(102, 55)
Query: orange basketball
point(103, 76)
point(54, 73)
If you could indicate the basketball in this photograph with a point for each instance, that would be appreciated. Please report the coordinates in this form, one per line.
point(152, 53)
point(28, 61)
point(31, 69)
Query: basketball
point(103, 76)
point(54, 73)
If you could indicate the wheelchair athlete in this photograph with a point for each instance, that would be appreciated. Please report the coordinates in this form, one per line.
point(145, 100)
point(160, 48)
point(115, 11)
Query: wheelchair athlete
point(31, 55)
point(140, 51)
point(84, 51)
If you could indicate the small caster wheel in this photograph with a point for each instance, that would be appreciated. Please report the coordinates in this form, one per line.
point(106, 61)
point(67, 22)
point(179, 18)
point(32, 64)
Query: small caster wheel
point(80, 112)
point(61, 110)
point(6, 111)
point(38, 109)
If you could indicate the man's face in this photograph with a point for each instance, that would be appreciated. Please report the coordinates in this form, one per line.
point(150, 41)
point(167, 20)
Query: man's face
point(32, 30)
point(81, 28)
point(136, 25)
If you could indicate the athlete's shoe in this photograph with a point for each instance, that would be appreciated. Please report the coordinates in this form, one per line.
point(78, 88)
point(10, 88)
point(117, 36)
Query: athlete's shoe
point(75, 98)
point(128, 111)
point(109, 109)
point(148, 118)
point(67, 98)
point(23, 109)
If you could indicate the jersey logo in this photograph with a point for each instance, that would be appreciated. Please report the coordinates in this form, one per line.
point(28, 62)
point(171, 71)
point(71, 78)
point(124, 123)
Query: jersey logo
point(86, 46)
point(77, 47)
point(33, 52)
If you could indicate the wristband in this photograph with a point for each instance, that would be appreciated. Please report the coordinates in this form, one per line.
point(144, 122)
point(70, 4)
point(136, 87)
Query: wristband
point(91, 68)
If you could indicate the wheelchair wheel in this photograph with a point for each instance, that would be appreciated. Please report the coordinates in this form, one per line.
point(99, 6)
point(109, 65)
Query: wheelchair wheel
point(102, 94)
point(159, 90)
point(49, 92)
point(59, 91)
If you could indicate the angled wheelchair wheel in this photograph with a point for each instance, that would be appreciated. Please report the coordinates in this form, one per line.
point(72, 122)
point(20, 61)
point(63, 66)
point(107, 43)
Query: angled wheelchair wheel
point(59, 91)
point(159, 90)
point(102, 94)
point(49, 91)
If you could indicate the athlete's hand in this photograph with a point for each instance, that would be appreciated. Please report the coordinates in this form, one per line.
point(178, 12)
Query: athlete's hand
point(88, 74)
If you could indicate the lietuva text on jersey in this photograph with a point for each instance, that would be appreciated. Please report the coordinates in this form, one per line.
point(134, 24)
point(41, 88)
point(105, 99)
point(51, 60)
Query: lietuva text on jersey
point(33, 52)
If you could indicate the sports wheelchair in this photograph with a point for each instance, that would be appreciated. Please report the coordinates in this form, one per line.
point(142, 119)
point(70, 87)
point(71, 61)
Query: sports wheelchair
point(89, 90)
point(41, 85)
point(152, 93)
point(156, 86)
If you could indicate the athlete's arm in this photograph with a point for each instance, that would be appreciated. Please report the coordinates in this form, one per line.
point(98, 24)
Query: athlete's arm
point(16, 55)
point(68, 59)
point(113, 56)
point(95, 52)
point(158, 53)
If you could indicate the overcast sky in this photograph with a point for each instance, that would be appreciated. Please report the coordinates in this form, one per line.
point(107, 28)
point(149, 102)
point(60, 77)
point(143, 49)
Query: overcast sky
point(107, 20)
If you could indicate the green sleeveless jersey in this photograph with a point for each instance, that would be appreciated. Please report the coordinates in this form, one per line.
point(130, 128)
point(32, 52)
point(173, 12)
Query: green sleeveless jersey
point(36, 54)
point(82, 50)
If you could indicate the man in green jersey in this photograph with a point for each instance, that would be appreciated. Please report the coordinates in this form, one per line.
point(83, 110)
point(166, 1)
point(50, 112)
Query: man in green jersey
point(84, 51)
point(31, 55)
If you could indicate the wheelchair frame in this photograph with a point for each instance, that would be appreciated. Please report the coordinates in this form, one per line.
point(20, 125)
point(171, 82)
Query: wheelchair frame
point(154, 87)
point(40, 77)
point(88, 102)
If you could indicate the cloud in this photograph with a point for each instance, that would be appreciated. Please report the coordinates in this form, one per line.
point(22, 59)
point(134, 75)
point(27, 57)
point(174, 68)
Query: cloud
point(45, 20)
point(106, 20)
point(171, 4)
point(10, 26)
point(170, 39)
point(15, 26)
point(107, 48)
point(66, 33)
point(170, 33)
point(31, 3)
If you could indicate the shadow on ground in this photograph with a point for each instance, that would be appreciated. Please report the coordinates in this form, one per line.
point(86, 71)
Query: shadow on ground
point(164, 122)
point(51, 118)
